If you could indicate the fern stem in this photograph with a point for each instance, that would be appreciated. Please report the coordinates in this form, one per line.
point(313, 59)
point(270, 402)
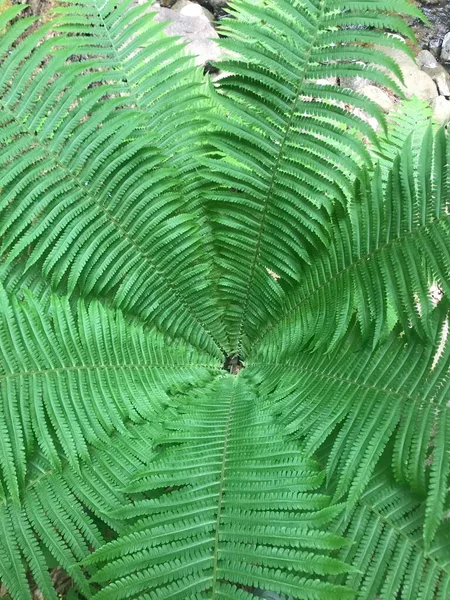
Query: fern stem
point(220, 498)
point(272, 182)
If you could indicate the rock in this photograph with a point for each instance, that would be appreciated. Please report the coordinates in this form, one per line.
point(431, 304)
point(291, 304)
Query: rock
point(416, 82)
point(193, 24)
point(354, 83)
point(186, 8)
point(379, 96)
point(326, 81)
point(445, 50)
point(434, 46)
point(426, 59)
point(441, 110)
point(443, 83)
point(441, 78)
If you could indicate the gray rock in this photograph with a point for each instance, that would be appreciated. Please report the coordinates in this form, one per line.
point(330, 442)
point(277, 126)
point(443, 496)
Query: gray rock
point(445, 50)
point(441, 110)
point(426, 59)
point(441, 78)
point(354, 83)
point(380, 97)
point(193, 24)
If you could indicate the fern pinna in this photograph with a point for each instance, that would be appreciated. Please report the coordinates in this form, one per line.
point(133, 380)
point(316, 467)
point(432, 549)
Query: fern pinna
point(156, 228)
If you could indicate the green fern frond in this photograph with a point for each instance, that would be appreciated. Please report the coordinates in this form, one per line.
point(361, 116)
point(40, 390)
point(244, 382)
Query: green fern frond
point(65, 514)
point(384, 256)
point(386, 530)
point(286, 149)
point(69, 380)
point(89, 199)
point(408, 123)
point(365, 398)
point(231, 505)
point(156, 76)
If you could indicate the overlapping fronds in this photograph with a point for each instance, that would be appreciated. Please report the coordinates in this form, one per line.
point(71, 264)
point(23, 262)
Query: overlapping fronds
point(386, 530)
point(384, 256)
point(69, 380)
point(365, 398)
point(156, 76)
point(143, 238)
point(408, 123)
point(64, 515)
point(87, 197)
point(288, 147)
point(233, 507)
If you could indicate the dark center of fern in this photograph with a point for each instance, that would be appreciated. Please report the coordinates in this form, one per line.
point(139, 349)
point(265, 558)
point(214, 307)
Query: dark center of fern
point(233, 364)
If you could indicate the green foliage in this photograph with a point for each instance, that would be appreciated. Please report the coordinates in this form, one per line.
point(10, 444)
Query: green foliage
point(234, 503)
point(154, 224)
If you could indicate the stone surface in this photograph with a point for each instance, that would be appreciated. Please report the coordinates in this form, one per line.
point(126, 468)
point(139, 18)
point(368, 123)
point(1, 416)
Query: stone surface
point(416, 82)
point(445, 50)
point(441, 78)
point(353, 83)
point(186, 8)
point(379, 96)
point(193, 24)
point(426, 59)
point(441, 110)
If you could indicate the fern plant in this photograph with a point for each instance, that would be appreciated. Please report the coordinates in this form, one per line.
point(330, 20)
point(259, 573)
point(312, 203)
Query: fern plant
point(224, 374)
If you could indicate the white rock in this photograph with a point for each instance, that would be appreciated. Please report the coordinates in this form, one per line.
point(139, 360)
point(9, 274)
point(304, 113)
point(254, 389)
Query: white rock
point(445, 51)
point(426, 59)
point(380, 97)
point(441, 110)
point(326, 81)
point(416, 82)
point(186, 8)
point(192, 23)
point(354, 83)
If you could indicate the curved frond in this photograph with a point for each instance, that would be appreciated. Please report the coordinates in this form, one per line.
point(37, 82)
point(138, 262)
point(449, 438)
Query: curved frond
point(64, 515)
point(364, 398)
point(156, 75)
point(287, 147)
point(383, 258)
point(233, 506)
point(68, 380)
point(89, 198)
point(386, 530)
point(407, 124)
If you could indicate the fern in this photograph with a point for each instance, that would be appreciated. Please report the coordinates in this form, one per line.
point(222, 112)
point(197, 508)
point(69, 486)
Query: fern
point(385, 253)
point(233, 506)
point(158, 230)
point(388, 550)
point(369, 398)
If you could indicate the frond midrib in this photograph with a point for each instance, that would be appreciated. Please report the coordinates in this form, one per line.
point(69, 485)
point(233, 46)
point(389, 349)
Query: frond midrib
point(220, 496)
point(401, 396)
point(273, 177)
point(103, 366)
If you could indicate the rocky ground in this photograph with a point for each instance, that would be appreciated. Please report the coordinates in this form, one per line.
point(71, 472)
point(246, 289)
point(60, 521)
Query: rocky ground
point(426, 77)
